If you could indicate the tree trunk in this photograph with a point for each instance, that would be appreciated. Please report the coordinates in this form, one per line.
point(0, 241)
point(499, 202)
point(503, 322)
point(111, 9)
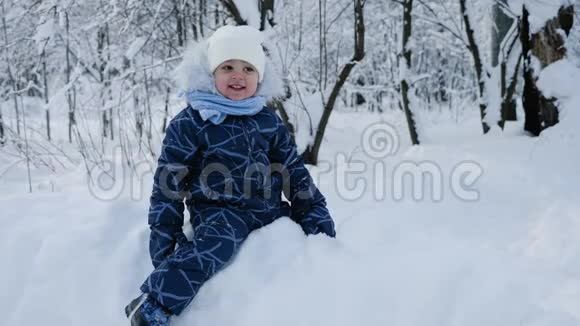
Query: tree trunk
point(2, 140)
point(102, 66)
point(300, 30)
point(16, 108)
point(179, 30)
point(216, 15)
point(167, 97)
point(71, 108)
point(508, 103)
point(11, 78)
point(267, 19)
point(499, 30)
point(166, 109)
point(479, 71)
point(279, 106)
point(185, 13)
point(311, 154)
point(45, 80)
point(137, 107)
point(266, 7)
point(108, 81)
point(148, 112)
point(231, 8)
point(322, 43)
point(406, 66)
point(194, 22)
point(547, 46)
point(27, 147)
point(500, 55)
point(201, 14)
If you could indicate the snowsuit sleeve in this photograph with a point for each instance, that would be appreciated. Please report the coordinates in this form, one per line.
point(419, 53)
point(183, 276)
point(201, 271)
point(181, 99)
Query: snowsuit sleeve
point(171, 181)
point(308, 204)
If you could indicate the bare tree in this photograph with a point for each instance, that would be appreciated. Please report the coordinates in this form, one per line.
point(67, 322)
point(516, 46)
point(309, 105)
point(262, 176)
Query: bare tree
point(133, 67)
point(310, 155)
point(45, 93)
point(104, 58)
point(405, 65)
point(26, 150)
point(322, 47)
point(267, 21)
point(11, 78)
point(202, 13)
point(137, 107)
point(504, 36)
point(179, 23)
point(2, 139)
point(266, 13)
point(69, 93)
point(547, 46)
point(231, 8)
point(148, 113)
point(480, 72)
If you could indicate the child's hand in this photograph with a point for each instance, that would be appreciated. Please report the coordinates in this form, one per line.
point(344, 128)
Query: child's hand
point(162, 242)
point(313, 225)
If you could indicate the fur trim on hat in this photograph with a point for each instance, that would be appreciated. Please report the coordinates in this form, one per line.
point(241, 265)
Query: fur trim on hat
point(193, 74)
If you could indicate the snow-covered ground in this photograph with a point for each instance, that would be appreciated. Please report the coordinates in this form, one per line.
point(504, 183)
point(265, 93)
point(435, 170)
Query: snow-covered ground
point(493, 241)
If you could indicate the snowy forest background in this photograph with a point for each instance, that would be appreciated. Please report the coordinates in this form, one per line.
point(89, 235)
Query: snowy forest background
point(447, 149)
point(80, 76)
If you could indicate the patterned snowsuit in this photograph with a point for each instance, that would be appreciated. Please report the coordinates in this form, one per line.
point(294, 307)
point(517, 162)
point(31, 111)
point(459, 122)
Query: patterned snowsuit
point(231, 176)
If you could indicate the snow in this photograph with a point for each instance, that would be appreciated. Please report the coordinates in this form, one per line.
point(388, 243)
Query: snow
point(135, 47)
point(487, 233)
point(567, 135)
point(540, 11)
point(559, 79)
point(509, 258)
point(249, 11)
point(44, 31)
point(493, 97)
point(306, 110)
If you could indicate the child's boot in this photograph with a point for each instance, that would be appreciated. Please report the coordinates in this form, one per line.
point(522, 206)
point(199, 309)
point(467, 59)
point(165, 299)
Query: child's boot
point(145, 311)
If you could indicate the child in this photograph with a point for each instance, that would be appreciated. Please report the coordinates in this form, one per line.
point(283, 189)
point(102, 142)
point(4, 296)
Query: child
point(229, 157)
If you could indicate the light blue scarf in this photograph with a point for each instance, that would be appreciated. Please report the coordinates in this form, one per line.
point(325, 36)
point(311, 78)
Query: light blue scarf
point(217, 107)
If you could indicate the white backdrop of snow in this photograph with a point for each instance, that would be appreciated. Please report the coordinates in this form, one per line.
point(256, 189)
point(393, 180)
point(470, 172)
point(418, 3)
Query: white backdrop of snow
point(511, 258)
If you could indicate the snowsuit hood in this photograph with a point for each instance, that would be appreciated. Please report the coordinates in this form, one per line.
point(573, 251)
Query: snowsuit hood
point(193, 74)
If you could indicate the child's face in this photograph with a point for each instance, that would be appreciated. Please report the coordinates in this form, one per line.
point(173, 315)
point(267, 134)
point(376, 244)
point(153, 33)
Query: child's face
point(236, 79)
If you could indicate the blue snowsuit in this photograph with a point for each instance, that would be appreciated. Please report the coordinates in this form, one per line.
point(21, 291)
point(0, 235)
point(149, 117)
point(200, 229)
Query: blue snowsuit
point(231, 177)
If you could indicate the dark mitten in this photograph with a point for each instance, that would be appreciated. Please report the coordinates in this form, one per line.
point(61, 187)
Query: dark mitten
point(313, 223)
point(162, 242)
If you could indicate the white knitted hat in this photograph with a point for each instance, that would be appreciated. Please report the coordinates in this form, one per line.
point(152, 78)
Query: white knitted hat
point(237, 42)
